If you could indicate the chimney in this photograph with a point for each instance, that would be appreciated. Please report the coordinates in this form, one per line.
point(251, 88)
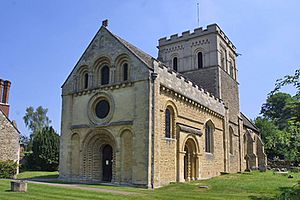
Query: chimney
point(6, 91)
point(4, 88)
point(1, 90)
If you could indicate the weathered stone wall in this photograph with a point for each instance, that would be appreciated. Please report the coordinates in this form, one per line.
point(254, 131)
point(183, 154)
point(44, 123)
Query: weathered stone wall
point(126, 128)
point(192, 108)
point(230, 96)
point(206, 78)
point(254, 156)
point(9, 140)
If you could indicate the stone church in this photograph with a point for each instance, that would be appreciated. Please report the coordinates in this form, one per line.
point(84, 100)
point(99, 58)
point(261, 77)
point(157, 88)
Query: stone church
point(129, 118)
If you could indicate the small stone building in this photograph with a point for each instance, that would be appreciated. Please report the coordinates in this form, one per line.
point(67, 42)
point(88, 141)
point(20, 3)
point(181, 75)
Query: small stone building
point(129, 118)
point(9, 134)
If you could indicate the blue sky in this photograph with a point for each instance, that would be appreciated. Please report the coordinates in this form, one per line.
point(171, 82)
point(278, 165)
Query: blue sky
point(41, 40)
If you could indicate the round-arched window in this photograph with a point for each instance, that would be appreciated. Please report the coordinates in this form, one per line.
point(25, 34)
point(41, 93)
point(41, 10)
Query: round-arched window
point(102, 109)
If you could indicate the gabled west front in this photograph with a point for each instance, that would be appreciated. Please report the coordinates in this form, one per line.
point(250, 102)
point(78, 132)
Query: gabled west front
point(128, 118)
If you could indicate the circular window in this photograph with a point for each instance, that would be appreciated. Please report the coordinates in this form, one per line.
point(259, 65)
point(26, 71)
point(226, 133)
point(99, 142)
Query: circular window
point(102, 109)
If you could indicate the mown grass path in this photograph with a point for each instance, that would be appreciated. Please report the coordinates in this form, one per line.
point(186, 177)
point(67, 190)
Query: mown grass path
point(254, 185)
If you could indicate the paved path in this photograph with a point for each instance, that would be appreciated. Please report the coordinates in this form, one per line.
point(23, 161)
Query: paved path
point(77, 186)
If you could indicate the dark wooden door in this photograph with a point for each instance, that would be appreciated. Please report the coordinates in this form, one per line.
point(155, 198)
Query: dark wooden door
point(107, 162)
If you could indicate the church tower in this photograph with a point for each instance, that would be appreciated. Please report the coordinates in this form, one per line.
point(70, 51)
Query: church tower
point(208, 58)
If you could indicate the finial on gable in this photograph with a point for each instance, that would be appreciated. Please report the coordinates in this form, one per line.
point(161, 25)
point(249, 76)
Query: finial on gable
point(105, 23)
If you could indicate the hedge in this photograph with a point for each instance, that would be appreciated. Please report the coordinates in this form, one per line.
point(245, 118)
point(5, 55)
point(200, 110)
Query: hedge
point(8, 169)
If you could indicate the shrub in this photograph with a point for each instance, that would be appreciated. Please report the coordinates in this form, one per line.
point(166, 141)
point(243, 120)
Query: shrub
point(8, 169)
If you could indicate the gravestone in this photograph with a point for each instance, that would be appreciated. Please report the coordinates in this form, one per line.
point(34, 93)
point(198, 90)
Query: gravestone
point(18, 186)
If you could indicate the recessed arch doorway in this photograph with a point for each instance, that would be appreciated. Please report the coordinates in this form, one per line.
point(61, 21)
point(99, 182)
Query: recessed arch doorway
point(191, 166)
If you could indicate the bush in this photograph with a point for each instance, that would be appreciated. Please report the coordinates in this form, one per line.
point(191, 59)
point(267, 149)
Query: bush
point(8, 169)
point(291, 193)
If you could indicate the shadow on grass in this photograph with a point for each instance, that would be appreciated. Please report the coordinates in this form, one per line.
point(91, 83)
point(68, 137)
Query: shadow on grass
point(286, 193)
point(53, 176)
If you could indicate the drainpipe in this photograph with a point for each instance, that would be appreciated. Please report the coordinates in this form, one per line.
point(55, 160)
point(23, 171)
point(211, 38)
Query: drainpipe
point(153, 77)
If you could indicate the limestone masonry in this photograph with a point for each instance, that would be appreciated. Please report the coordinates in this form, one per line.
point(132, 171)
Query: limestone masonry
point(128, 118)
point(9, 134)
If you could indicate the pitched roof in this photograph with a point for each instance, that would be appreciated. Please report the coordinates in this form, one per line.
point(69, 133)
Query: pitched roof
point(146, 58)
point(13, 125)
point(247, 122)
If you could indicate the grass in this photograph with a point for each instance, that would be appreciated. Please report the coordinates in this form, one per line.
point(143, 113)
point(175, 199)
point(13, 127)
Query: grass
point(37, 174)
point(254, 185)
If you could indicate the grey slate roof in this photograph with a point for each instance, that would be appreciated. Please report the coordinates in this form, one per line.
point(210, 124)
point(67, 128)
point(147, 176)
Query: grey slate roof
point(248, 123)
point(146, 58)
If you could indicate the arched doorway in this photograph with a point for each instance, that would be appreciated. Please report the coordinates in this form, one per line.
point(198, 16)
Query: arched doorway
point(190, 160)
point(99, 154)
point(107, 157)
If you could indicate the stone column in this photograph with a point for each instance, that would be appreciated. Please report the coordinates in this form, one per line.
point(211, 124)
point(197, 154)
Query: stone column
point(197, 164)
point(181, 167)
point(188, 174)
point(90, 81)
point(112, 74)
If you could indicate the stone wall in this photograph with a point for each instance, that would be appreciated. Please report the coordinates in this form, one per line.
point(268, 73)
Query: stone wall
point(206, 78)
point(9, 140)
point(192, 108)
point(125, 129)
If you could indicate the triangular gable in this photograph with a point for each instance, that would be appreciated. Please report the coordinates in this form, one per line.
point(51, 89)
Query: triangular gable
point(142, 56)
point(12, 124)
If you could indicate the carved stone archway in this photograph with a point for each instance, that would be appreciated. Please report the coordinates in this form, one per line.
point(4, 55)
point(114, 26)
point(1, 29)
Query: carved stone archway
point(191, 166)
point(93, 160)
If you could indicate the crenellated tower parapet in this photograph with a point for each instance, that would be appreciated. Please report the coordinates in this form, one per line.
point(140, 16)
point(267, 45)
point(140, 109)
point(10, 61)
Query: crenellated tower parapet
point(210, 29)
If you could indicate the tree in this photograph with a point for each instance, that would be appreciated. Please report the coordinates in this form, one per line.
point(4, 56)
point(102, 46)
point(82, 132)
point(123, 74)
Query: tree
point(288, 80)
point(279, 108)
point(275, 140)
point(45, 150)
point(293, 80)
point(280, 121)
point(36, 120)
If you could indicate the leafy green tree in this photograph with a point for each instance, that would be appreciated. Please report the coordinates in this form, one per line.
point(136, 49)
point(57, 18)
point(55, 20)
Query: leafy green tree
point(280, 121)
point(279, 108)
point(293, 80)
point(45, 150)
point(288, 80)
point(36, 120)
point(274, 139)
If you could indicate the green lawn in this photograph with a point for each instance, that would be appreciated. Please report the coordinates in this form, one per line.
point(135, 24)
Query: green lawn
point(37, 174)
point(255, 185)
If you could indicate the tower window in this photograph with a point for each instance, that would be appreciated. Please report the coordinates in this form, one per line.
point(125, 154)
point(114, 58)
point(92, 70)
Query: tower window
point(104, 75)
point(222, 60)
point(125, 72)
point(231, 69)
point(200, 60)
point(175, 63)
